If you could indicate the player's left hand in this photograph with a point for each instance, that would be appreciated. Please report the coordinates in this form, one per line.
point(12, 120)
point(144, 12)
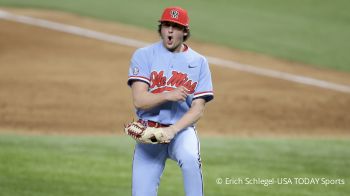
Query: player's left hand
point(178, 94)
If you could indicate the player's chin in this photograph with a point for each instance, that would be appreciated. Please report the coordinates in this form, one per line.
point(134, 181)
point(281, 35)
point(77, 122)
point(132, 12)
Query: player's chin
point(171, 46)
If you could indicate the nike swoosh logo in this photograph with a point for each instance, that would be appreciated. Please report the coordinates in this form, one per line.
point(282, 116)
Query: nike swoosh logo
point(192, 66)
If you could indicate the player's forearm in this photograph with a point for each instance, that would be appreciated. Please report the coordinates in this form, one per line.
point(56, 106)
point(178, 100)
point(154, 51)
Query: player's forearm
point(190, 117)
point(146, 100)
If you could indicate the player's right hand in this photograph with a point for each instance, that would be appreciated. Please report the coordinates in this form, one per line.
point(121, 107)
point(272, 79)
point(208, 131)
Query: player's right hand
point(178, 94)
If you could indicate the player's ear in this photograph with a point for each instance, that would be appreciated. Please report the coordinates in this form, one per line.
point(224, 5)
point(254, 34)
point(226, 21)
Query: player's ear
point(186, 31)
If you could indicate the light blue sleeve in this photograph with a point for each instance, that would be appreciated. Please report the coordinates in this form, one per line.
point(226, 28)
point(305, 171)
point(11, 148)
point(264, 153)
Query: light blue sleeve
point(139, 69)
point(204, 88)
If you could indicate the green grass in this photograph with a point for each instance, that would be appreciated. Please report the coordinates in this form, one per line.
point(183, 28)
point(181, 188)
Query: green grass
point(310, 31)
point(101, 165)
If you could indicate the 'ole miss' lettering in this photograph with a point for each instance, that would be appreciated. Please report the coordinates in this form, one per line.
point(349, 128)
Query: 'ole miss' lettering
point(177, 79)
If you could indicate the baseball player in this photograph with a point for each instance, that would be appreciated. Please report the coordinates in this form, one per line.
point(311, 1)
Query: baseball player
point(171, 84)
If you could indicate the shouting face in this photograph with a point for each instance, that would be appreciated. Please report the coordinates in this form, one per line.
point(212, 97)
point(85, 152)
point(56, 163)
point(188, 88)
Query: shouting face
point(172, 35)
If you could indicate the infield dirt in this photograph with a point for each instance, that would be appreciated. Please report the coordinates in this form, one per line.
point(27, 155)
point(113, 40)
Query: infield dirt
point(53, 82)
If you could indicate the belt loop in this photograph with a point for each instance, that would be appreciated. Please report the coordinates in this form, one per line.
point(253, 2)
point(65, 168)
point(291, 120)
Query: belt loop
point(143, 122)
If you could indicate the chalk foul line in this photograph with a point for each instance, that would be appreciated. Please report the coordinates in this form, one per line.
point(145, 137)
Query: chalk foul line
point(75, 30)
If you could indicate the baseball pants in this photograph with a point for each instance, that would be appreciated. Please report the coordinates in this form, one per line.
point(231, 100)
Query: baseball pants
point(149, 162)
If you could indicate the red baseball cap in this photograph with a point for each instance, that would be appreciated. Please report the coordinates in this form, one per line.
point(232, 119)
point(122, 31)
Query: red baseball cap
point(175, 14)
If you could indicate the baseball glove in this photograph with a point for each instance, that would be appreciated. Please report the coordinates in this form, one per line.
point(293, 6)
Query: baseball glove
point(146, 135)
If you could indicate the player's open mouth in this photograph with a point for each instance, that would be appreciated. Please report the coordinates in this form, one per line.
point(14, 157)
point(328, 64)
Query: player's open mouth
point(169, 40)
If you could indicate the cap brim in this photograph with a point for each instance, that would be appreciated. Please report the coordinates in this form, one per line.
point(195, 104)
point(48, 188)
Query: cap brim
point(174, 21)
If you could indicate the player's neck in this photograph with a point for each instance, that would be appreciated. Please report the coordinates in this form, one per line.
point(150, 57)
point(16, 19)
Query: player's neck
point(185, 47)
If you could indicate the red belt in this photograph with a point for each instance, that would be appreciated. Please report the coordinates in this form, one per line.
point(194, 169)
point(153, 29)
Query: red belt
point(150, 123)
